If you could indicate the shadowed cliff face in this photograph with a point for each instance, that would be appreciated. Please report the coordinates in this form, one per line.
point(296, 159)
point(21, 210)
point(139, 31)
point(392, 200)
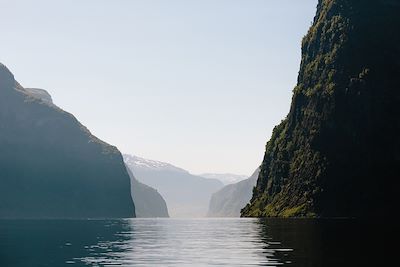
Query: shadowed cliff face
point(51, 166)
point(148, 202)
point(337, 152)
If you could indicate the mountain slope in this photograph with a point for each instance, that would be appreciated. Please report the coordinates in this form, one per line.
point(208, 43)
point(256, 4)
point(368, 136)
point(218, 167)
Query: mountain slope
point(51, 166)
point(186, 195)
point(228, 201)
point(148, 202)
point(337, 153)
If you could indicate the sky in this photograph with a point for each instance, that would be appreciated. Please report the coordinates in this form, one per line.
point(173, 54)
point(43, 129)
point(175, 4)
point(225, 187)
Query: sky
point(198, 84)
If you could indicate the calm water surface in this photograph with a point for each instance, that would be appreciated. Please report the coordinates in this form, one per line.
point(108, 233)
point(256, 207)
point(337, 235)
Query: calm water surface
point(190, 242)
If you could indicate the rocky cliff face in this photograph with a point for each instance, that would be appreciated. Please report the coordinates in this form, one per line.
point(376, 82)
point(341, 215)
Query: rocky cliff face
point(51, 166)
point(148, 202)
point(337, 153)
point(228, 201)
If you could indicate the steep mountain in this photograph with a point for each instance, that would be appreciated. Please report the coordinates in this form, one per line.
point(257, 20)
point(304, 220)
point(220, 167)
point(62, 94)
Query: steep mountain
point(228, 201)
point(225, 178)
point(337, 152)
point(148, 202)
point(51, 166)
point(186, 195)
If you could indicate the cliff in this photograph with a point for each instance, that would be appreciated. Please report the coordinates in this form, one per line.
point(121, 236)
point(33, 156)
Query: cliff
point(51, 166)
point(148, 202)
point(338, 150)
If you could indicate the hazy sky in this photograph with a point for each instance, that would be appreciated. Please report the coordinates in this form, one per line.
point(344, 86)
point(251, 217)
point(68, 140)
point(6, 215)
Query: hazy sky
point(199, 84)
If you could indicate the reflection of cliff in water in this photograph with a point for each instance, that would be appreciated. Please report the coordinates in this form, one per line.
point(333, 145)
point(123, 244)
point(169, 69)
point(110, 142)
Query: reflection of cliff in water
point(325, 242)
point(56, 242)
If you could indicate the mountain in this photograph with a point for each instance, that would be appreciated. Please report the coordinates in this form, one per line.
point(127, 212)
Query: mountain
point(337, 152)
point(148, 164)
point(228, 201)
point(51, 166)
point(148, 202)
point(186, 195)
point(225, 178)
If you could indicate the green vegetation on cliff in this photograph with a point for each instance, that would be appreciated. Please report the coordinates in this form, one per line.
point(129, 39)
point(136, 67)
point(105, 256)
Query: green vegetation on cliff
point(337, 151)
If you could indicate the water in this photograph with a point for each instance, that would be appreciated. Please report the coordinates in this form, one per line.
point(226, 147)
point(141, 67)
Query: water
point(190, 242)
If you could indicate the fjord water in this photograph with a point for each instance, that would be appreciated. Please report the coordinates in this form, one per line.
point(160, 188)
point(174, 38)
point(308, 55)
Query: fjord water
point(188, 242)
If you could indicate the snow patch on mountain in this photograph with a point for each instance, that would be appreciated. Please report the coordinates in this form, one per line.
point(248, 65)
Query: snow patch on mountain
point(138, 162)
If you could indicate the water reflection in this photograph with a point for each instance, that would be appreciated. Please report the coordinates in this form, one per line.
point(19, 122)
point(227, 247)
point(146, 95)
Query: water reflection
point(190, 242)
point(184, 242)
point(53, 243)
point(328, 242)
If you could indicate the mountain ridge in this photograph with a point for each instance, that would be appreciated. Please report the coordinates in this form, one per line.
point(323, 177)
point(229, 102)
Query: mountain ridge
point(152, 164)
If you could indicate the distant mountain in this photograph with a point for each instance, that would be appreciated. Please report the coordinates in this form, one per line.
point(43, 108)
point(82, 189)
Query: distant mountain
point(51, 166)
point(148, 164)
point(148, 202)
point(186, 195)
point(225, 178)
point(228, 201)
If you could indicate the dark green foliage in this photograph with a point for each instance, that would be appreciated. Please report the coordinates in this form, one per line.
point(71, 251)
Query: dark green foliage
point(53, 167)
point(337, 152)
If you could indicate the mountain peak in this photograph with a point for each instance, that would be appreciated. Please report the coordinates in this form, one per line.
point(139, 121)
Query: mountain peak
point(6, 77)
point(139, 162)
